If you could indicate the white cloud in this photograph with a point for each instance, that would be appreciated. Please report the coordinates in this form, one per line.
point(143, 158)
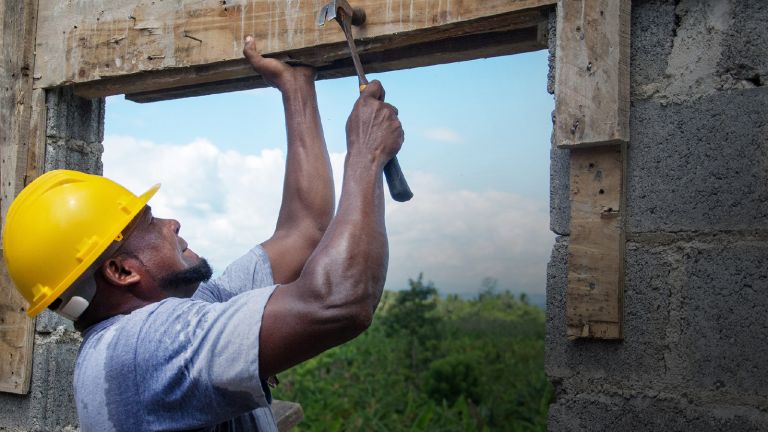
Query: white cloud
point(443, 135)
point(227, 201)
point(459, 237)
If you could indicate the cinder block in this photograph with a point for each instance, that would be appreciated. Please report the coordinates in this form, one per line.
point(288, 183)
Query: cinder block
point(719, 328)
point(50, 404)
point(744, 53)
point(635, 362)
point(559, 191)
point(699, 166)
point(48, 321)
point(14, 412)
point(590, 412)
point(653, 23)
point(551, 45)
point(53, 398)
point(73, 117)
point(73, 154)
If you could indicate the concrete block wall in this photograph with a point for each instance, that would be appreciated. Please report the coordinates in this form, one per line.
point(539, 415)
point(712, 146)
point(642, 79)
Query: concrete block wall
point(695, 353)
point(74, 133)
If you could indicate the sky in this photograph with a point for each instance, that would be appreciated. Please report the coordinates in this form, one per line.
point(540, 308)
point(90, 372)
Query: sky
point(476, 155)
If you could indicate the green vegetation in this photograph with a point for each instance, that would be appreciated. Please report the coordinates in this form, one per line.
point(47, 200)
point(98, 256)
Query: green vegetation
point(431, 364)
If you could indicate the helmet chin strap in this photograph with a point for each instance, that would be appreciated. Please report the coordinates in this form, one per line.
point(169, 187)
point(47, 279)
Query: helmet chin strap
point(77, 299)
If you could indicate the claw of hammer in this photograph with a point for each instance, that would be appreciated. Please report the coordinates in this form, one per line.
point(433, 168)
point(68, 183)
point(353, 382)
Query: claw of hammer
point(331, 11)
point(346, 16)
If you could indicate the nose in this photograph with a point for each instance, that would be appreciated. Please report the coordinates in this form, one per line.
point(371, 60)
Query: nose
point(174, 225)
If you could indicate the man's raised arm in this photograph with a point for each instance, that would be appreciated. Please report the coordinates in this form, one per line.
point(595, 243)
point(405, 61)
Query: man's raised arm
point(308, 198)
point(334, 298)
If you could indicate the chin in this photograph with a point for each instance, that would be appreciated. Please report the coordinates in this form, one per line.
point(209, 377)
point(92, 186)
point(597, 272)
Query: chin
point(184, 283)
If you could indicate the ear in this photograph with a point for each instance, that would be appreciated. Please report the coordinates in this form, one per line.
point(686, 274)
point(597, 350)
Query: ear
point(121, 270)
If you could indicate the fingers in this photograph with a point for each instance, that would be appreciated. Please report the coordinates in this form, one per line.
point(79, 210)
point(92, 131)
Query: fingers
point(374, 89)
point(251, 51)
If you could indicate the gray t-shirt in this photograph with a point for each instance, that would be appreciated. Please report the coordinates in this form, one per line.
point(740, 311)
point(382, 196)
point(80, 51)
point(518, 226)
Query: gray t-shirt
point(181, 364)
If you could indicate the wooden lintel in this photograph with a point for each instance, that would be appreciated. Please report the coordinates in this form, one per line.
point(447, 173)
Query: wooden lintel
point(592, 73)
point(461, 48)
point(138, 46)
point(22, 147)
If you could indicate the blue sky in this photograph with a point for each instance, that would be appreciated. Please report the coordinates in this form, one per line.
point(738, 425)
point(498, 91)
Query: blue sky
point(476, 155)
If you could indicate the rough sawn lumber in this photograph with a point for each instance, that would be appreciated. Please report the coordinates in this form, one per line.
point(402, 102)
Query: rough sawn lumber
point(142, 46)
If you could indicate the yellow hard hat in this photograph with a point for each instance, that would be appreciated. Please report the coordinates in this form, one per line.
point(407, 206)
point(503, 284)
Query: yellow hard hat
point(58, 226)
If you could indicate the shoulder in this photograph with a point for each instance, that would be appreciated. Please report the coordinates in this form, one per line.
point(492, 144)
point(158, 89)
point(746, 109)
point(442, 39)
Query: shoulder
point(250, 271)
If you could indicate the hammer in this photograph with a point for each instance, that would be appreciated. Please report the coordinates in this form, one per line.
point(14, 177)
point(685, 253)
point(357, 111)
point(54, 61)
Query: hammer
point(347, 16)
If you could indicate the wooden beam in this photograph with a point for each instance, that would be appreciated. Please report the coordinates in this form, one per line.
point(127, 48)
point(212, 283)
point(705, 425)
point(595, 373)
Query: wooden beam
point(592, 119)
point(142, 46)
point(287, 414)
point(592, 73)
point(425, 54)
point(22, 147)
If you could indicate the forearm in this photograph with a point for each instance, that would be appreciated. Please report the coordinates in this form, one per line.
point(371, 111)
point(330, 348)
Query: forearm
point(340, 286)
point(308, 195)
point(348, 269)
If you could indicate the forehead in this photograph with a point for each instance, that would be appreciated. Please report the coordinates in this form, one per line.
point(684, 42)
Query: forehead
point(139, 223)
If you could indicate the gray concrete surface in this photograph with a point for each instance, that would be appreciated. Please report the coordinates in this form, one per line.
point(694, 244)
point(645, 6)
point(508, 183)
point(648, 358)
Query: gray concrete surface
point(74, 134)
point(696, 274)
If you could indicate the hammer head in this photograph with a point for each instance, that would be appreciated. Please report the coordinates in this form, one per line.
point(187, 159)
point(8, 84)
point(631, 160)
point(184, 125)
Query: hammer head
point(339, 10)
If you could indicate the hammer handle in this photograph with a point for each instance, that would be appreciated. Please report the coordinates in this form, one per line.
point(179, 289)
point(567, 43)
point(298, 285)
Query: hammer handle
point(398, 187)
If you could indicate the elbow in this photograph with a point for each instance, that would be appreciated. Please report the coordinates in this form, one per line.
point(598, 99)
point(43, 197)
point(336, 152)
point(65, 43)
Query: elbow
point(359, 320)
point(346, 308)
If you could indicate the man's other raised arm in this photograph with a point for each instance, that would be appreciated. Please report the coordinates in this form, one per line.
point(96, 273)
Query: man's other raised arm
point(334, 298)
point(308, 197)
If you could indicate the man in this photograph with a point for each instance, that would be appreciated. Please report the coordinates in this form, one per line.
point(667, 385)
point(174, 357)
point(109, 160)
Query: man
point(162, 348)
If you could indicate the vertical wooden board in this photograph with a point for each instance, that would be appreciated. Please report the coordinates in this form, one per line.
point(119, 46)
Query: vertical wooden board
point(592, 73)
point(35, 157)
point(22, 135)
point(16, 338)
point(595, 255)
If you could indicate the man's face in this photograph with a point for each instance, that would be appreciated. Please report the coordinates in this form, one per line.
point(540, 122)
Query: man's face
point(175, 268)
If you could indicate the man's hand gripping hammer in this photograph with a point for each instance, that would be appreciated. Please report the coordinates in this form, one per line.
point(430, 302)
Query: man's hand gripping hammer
point(346, 16)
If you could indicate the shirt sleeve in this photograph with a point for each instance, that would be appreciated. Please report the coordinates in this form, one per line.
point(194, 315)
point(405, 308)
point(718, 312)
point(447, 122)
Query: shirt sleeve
point(250, 271)
point(200, 361)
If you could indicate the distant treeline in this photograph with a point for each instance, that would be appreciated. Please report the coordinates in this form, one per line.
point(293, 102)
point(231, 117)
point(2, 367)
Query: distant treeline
point(431, 363)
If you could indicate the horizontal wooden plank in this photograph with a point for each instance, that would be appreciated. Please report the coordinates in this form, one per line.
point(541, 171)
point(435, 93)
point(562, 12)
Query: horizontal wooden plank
point(592, 73)
point(425, 54)
point(596, 245)
point(171, 44)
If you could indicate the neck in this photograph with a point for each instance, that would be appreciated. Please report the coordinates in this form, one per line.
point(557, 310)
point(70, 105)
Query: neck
point(107, 303)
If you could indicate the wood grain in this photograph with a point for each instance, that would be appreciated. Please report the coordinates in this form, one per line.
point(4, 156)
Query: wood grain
point(170, 44)
point(596, 245)
point(22, 135)
point(592, 73)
